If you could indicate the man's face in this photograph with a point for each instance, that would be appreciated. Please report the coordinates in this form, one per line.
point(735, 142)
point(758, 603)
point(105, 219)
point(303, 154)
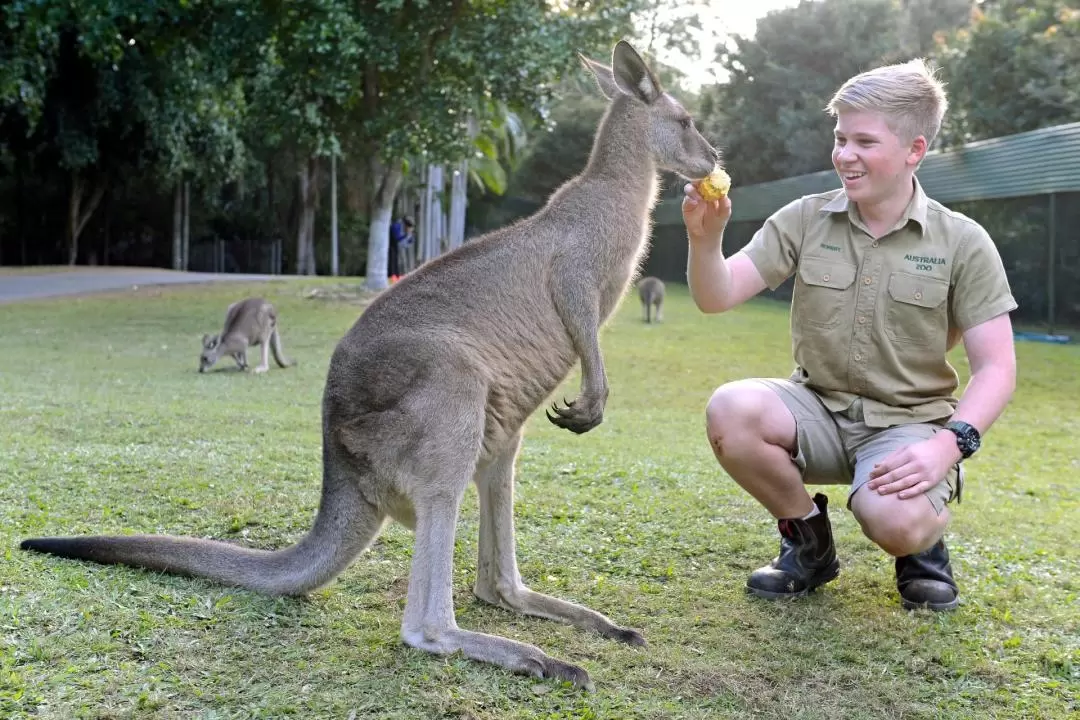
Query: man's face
point(872, 161)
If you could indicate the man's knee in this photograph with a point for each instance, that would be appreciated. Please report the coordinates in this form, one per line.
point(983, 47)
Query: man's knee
point(734, 411)
point(742, 415)
point(899, 527)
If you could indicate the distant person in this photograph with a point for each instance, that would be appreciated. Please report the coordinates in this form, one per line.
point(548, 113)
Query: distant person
point(886, 282)
point(401, 236)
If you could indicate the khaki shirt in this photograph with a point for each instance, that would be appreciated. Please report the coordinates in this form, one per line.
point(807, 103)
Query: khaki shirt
point(875, 318)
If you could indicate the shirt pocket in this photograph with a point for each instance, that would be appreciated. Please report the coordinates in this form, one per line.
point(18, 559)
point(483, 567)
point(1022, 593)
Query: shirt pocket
point(824, 293)
point(917, 313)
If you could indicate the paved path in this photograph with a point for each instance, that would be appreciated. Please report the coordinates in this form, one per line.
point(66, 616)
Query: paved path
point(30, 285)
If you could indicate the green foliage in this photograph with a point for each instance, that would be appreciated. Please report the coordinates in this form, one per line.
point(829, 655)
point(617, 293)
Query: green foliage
point(245, 90)
point(769, 117)
point(1015, 68)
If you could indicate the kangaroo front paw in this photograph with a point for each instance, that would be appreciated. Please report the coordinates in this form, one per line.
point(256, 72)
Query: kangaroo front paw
point(578, 416)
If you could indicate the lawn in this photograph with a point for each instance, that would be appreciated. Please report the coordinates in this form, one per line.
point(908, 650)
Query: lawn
point(106, 426)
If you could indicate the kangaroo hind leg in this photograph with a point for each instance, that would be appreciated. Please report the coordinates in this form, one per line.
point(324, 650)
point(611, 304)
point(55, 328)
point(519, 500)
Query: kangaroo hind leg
point(448, 458)
point(498, 580)
point(264, 351)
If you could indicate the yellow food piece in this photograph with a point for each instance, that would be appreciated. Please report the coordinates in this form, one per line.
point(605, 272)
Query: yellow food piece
point(715, 185)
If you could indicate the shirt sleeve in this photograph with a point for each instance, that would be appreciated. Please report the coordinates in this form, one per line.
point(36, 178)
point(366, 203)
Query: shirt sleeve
point(980, 287)
point(774, 249)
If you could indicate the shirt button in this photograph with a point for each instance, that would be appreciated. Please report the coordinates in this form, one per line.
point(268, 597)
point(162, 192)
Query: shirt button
point(862, 319)
point(867, 280)
point(858, 357)
point(918, 296)
point(873, 244)
point(825, 277)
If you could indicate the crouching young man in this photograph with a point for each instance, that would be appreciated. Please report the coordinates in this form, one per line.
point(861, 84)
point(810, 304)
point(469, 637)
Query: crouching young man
point(886, 282)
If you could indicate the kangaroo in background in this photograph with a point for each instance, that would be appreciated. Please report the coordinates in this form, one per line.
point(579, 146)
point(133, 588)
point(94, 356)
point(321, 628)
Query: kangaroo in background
point(651, 292)
point(248, 322)
point(430, 388)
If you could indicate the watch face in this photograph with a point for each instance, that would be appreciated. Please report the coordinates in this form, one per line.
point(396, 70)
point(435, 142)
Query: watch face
point(967, 438)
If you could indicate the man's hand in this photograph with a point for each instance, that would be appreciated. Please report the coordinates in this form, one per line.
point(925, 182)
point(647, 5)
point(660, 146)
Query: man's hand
point(914, 469)
point(704, 220)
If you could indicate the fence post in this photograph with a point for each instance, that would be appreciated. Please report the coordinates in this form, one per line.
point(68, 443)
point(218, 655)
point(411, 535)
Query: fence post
point(1051, 291)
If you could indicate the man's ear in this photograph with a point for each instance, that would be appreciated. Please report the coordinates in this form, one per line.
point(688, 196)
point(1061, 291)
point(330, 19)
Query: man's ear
point(917, 150)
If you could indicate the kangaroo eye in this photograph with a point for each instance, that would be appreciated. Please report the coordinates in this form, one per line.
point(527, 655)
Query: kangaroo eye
point(686, 123)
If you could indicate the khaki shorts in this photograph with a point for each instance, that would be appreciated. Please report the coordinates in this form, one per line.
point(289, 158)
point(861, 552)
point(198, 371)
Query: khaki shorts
point(838, 447)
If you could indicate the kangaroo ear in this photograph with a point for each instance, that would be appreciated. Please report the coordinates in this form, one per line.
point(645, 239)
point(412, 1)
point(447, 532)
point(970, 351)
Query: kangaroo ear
point(632, 75)
point(603, 76)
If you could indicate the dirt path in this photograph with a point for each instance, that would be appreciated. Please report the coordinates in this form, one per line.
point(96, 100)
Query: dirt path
point(32, 284)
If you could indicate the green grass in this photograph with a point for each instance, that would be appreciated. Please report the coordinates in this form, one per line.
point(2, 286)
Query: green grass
point(106, 426)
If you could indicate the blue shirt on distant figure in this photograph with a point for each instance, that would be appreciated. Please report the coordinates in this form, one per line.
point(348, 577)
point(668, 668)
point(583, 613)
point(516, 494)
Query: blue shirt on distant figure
point(401, 232)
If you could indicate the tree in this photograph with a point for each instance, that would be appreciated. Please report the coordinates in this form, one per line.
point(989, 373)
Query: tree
point(435, 81)
point(1016, 67)
point(770, 115)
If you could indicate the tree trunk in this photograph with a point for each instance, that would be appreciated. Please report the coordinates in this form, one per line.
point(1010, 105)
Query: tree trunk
point(388, 181)
point(333, 216)
point(305, 231)
point(107, 240)
point(185, 240)
point(178, 227)
point(77, 215)
point(20, 199)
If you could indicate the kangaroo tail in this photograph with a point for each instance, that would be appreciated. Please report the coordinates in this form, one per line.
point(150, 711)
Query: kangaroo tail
point(279, 352)
point(344, 526)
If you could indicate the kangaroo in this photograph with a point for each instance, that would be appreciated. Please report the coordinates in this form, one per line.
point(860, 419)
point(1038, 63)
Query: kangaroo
point(248, 322)
point(651, 292)
point(430, 388)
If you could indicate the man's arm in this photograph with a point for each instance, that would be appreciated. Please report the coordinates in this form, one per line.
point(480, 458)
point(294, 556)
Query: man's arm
point(716, 284)
point(990, 352)
point(917, 468)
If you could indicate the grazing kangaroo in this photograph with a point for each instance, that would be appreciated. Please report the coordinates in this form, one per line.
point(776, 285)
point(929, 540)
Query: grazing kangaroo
point(430, 389)
point(651, 292)
point(248, 322)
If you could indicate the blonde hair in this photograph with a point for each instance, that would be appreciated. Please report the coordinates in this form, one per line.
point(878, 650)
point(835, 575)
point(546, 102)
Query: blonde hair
point(909, 95)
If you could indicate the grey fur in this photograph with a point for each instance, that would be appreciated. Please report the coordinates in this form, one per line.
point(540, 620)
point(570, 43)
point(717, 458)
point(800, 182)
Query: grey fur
point(248, 323)
point(430, 388)
point(651, 291)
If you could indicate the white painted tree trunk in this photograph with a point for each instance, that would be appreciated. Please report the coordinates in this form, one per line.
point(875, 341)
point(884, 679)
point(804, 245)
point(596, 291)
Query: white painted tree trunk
point(387, 181)
point(458, 187)
point(305, 231)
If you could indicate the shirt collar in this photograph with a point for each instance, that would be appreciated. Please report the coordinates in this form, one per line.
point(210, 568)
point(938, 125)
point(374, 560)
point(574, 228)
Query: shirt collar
point(916, 209)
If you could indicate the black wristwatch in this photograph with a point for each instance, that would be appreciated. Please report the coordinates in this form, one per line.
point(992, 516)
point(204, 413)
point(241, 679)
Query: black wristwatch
point(967, 437)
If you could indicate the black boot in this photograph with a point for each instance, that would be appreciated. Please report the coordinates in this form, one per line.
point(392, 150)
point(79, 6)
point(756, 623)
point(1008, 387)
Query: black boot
point(925, 580)
point(807, 558)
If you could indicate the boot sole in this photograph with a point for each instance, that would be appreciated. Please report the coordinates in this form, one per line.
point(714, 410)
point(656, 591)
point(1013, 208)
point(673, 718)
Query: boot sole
point(936, 607)
point(830, 574)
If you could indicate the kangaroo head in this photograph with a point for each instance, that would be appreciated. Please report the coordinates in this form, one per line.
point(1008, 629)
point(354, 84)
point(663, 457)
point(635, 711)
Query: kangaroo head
point(669, 133)
point(210, 352)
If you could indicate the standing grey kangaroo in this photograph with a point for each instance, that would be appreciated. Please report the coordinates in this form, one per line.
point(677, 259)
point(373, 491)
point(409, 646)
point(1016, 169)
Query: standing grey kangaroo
point(430, 388)
point(248, 322)
point(651, 292)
